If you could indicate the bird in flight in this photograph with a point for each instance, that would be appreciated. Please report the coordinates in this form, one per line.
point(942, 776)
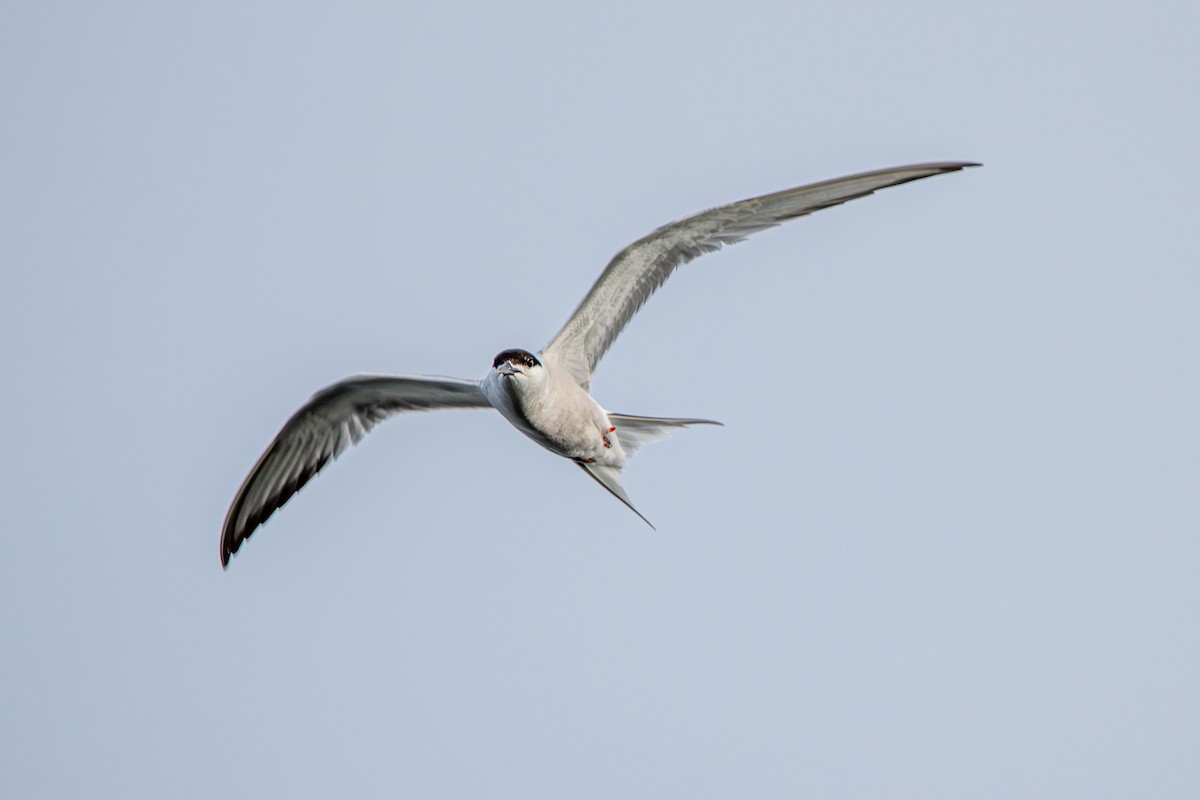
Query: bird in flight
point(546, 394)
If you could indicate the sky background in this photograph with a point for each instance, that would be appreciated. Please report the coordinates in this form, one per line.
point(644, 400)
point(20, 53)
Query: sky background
point(945, 547)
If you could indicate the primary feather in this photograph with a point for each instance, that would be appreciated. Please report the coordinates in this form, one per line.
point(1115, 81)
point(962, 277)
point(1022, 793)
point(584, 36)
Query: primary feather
point(332, 420)
point(636, 272)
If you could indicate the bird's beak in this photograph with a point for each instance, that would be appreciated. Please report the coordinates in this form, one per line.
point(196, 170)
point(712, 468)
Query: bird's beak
point(506, 368)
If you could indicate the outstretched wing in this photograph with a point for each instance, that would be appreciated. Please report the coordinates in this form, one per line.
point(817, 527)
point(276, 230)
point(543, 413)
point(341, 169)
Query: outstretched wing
point(637, 271)
point(335, 418)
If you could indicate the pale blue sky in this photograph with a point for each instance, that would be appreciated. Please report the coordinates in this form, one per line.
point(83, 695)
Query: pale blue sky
point(946, 546)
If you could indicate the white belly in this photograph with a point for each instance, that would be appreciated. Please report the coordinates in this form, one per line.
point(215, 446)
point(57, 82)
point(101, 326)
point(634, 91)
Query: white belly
point(560, 416)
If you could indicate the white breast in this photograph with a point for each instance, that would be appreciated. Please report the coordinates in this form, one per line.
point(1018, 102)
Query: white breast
point(556, 413)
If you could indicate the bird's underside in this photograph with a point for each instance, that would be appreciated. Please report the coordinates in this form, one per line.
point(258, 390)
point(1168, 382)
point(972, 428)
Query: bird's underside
point(544, 394)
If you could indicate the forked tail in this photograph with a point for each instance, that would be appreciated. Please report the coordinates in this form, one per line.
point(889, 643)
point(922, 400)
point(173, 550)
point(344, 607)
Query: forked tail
point(633, 433)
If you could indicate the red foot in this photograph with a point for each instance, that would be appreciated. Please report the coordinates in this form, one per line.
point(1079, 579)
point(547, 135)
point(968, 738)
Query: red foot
point(604, 437)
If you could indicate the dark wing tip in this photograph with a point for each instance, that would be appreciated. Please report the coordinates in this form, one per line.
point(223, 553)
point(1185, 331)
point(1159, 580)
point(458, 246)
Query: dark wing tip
point(233, 536)
point(943, 166)
point(231, 541)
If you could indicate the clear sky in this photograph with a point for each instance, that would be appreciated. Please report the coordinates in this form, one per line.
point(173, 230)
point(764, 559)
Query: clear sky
point(945, 547)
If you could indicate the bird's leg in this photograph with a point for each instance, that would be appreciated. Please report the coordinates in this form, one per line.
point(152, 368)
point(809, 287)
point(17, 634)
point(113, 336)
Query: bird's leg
point(604, 436)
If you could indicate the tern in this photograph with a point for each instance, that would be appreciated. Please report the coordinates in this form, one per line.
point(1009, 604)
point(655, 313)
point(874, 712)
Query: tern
point(546, 394)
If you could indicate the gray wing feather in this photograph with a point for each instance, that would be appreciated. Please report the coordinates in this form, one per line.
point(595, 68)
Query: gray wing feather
point(334, 418)
point(637, 271)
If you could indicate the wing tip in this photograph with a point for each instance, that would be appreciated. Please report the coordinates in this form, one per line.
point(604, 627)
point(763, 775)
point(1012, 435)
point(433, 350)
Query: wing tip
point(230, 544)
point(226, 554)
point(943, 166)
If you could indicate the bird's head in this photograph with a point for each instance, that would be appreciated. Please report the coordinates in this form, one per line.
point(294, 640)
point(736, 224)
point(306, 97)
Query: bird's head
point(518, 365)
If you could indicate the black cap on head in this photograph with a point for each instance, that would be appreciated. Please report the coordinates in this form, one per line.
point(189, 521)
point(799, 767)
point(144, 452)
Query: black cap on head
point(523, 357)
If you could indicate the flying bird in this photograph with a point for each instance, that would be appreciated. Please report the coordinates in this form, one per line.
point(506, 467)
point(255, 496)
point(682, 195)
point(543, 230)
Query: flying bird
point(546, 394)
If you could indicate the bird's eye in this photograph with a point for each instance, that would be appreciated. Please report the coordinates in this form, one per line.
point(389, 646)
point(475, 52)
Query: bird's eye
point(523, 357)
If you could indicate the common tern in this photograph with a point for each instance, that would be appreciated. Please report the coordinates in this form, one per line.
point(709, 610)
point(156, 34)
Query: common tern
point(546, 394)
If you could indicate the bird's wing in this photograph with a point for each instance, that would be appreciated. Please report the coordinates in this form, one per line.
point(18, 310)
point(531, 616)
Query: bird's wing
point(335, 418)
point(638, 270)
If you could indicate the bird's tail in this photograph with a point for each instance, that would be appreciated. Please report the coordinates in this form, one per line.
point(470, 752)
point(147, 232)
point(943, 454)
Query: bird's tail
point(610, 478)
point(634, 432)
